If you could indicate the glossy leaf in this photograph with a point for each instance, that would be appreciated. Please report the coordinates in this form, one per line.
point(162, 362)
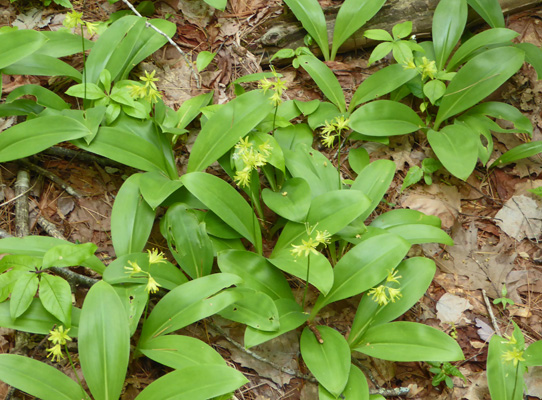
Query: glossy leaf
point(310, 14)
point(16, 45)
point(325, 112)
point(380, 51)
point(448, 24)
point(43, 65)
point(191, 108)
point(385, 118)
point(23, 293)
point(195, 382)
point(56, 297)
point(293, 200)
point(478, 78)
point(356, 388)
point(404, 216)
point(68, 255)
point(517, 153)
point(63, 43)
point(131, 218)
point(434, 90)
point(37, 378)
point(456, 147)
point(44, 97)
point(533, 56)
point(104, 342)
point(230, 123)
point(329, 361)
point(495, 109)
point(225, 202)
point(533, 354)
point(204, 59)
point(254, 309)
point(504, 379)
point(490, 11)
point(325, 79)
point(409, 341)
point(419, 233)
point(358, 159)
point(134, 299)
point(156, 187)
point(289, 137)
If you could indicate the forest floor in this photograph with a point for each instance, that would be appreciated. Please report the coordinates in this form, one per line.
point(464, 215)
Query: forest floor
point(494, 221)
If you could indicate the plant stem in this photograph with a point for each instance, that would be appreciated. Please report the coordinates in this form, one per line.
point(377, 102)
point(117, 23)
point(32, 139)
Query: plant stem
point(306, 281)
point(339, 161)
point(75, 371)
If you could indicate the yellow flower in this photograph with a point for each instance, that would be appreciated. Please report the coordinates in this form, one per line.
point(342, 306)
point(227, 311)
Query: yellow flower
point(243, 145)
point(307, 246)
point(409, 64)
point(73, 19)
point(328, 129)
point(276, 99)
point(133, 269)
point(152, 95)
point(393, 277)
point(265, 84)
point(379, 295)
point(394, 294)
point(91, 27)
point(265, 148)
point(341, 123)
point(280, 86)
point(156, 257)
point(515, 355)
point(55, 352)
point(59, 335)
point(323, 237)
point(152, 285)
point(242, 178)
point(149, 79)
point(137, 91)
point(428, 68)
point(328, 140)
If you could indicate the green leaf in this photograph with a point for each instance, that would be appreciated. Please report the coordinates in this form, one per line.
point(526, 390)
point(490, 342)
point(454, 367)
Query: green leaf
point(312, 18)
point(409, 341)
point(504, 379)
point(292, 201)
point(403, 217)
point(413, 176)
point(180, 352)
point(223, 130)
point(456, 147)
point(156, 187)
point(378, 34)
point(358, 159)
point(419, 233)
point(195, 382)
point(44, 97)
point(533, 56)
point(402, 30)
point(93, 91)
point(134, 299)
point(434, 90)
point(356, 388)
point(256, 271)
point(218, 4)
point(37, 378)
point(517, 153)
point(385, 118)
point(329, 361)
point(352, 15)
point(56, 297)
point(533, 354)
point(481, 76)
point(40, 64)
point(255, 309)
point(379, 52)
point(16, 45)
point(479, 41)
point(190, 109)
point(62, 43)
point(490, 11)
point(23, 293)
point(204, 59)
point(68, 255)
point(131, 218)
point(289, 137)
point(380, 83)
point(291, 316)
point(189, 303)
point(325, 112)
point(495, 109)
point(225, 202)
point(325, 79)
point(104, 342)
point(35, 135)
point(448, 24)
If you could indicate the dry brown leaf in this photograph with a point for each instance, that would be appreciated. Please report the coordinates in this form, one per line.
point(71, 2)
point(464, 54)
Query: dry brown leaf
point(520, 218)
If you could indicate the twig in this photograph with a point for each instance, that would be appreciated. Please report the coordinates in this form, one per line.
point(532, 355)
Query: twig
point(149, 25)
point(491, 315)
point(82, 156)
point(21, 205)
point(50, 228)
point(60, 182)
point(400, 391)
point(4, 234)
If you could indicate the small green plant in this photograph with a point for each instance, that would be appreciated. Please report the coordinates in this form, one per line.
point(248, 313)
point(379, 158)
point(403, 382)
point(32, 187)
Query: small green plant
point(503, 299)
point(415, 173)
point(537, 191)
point(443, 372)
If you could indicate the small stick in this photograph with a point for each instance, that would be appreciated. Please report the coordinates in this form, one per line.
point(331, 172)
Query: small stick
point(82, 156)
point(4, 234)
point(50, 228)
point(60, 182)
point(491, 315)
point(21, 205)
point(149, 25)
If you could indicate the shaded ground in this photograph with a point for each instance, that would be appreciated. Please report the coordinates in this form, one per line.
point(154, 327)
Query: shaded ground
point(490, 251)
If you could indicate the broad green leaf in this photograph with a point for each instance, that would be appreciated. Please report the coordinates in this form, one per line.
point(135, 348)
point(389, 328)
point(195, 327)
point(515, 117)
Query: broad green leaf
point(358, 159)
point(88, 91)
point(356, 388)
point(225, 202)
point(291, 316)
point(255, 309)
point(352, 15)
point(20, 107)
point(481, 76)
point(180, 352)
point(44, 97)
point(216, 227)
point(62, 43)
point(56, 297)
point(156, 187)
point(413, 176)
point(104, 342)
point(204, 59)
point(256, 271)
point(36, 319)
point(456, 147)
point(533, 354)
point(43, 65)
point(292, 201)
point(416, 275)
point(481, 40)
point(35, 135)
point(289, 137)
point(68, 255)
point(419, 233)
point(188, 240)
point(23, 293)
point(189, 303)
point(218, 4)
point(325, 113)
point(402, 30)
point(329, 361)
point(223, 130)
point(16, 45)
point(134, 299)
point(8, 280)
point(490, 11)
point(404, 216)
point(409, 341)
point(495, 109)
point(131, 218)
point(518, 153)
point(307, 107)
point(533, 56)
point(378, 34)
point(385, 118)
point(195, 382)
point(380, 51)
point(191, 108)
point(325, 79)
point(365, 265)
point(504, 379)
point(311, 16)
point(434, 90)
point(380, 83)
point(37, 378)
point(448, 24)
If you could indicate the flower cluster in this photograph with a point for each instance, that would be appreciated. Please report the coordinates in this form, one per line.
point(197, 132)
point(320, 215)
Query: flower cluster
point(155, 257)
point(148, 90)
point(74, 18)
point(249, 158)
point(514, 355)
point(332, 130)
point(310, 245)
point(58, 337)
point(277, 87)
point(427, 68)
point(383, 294)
